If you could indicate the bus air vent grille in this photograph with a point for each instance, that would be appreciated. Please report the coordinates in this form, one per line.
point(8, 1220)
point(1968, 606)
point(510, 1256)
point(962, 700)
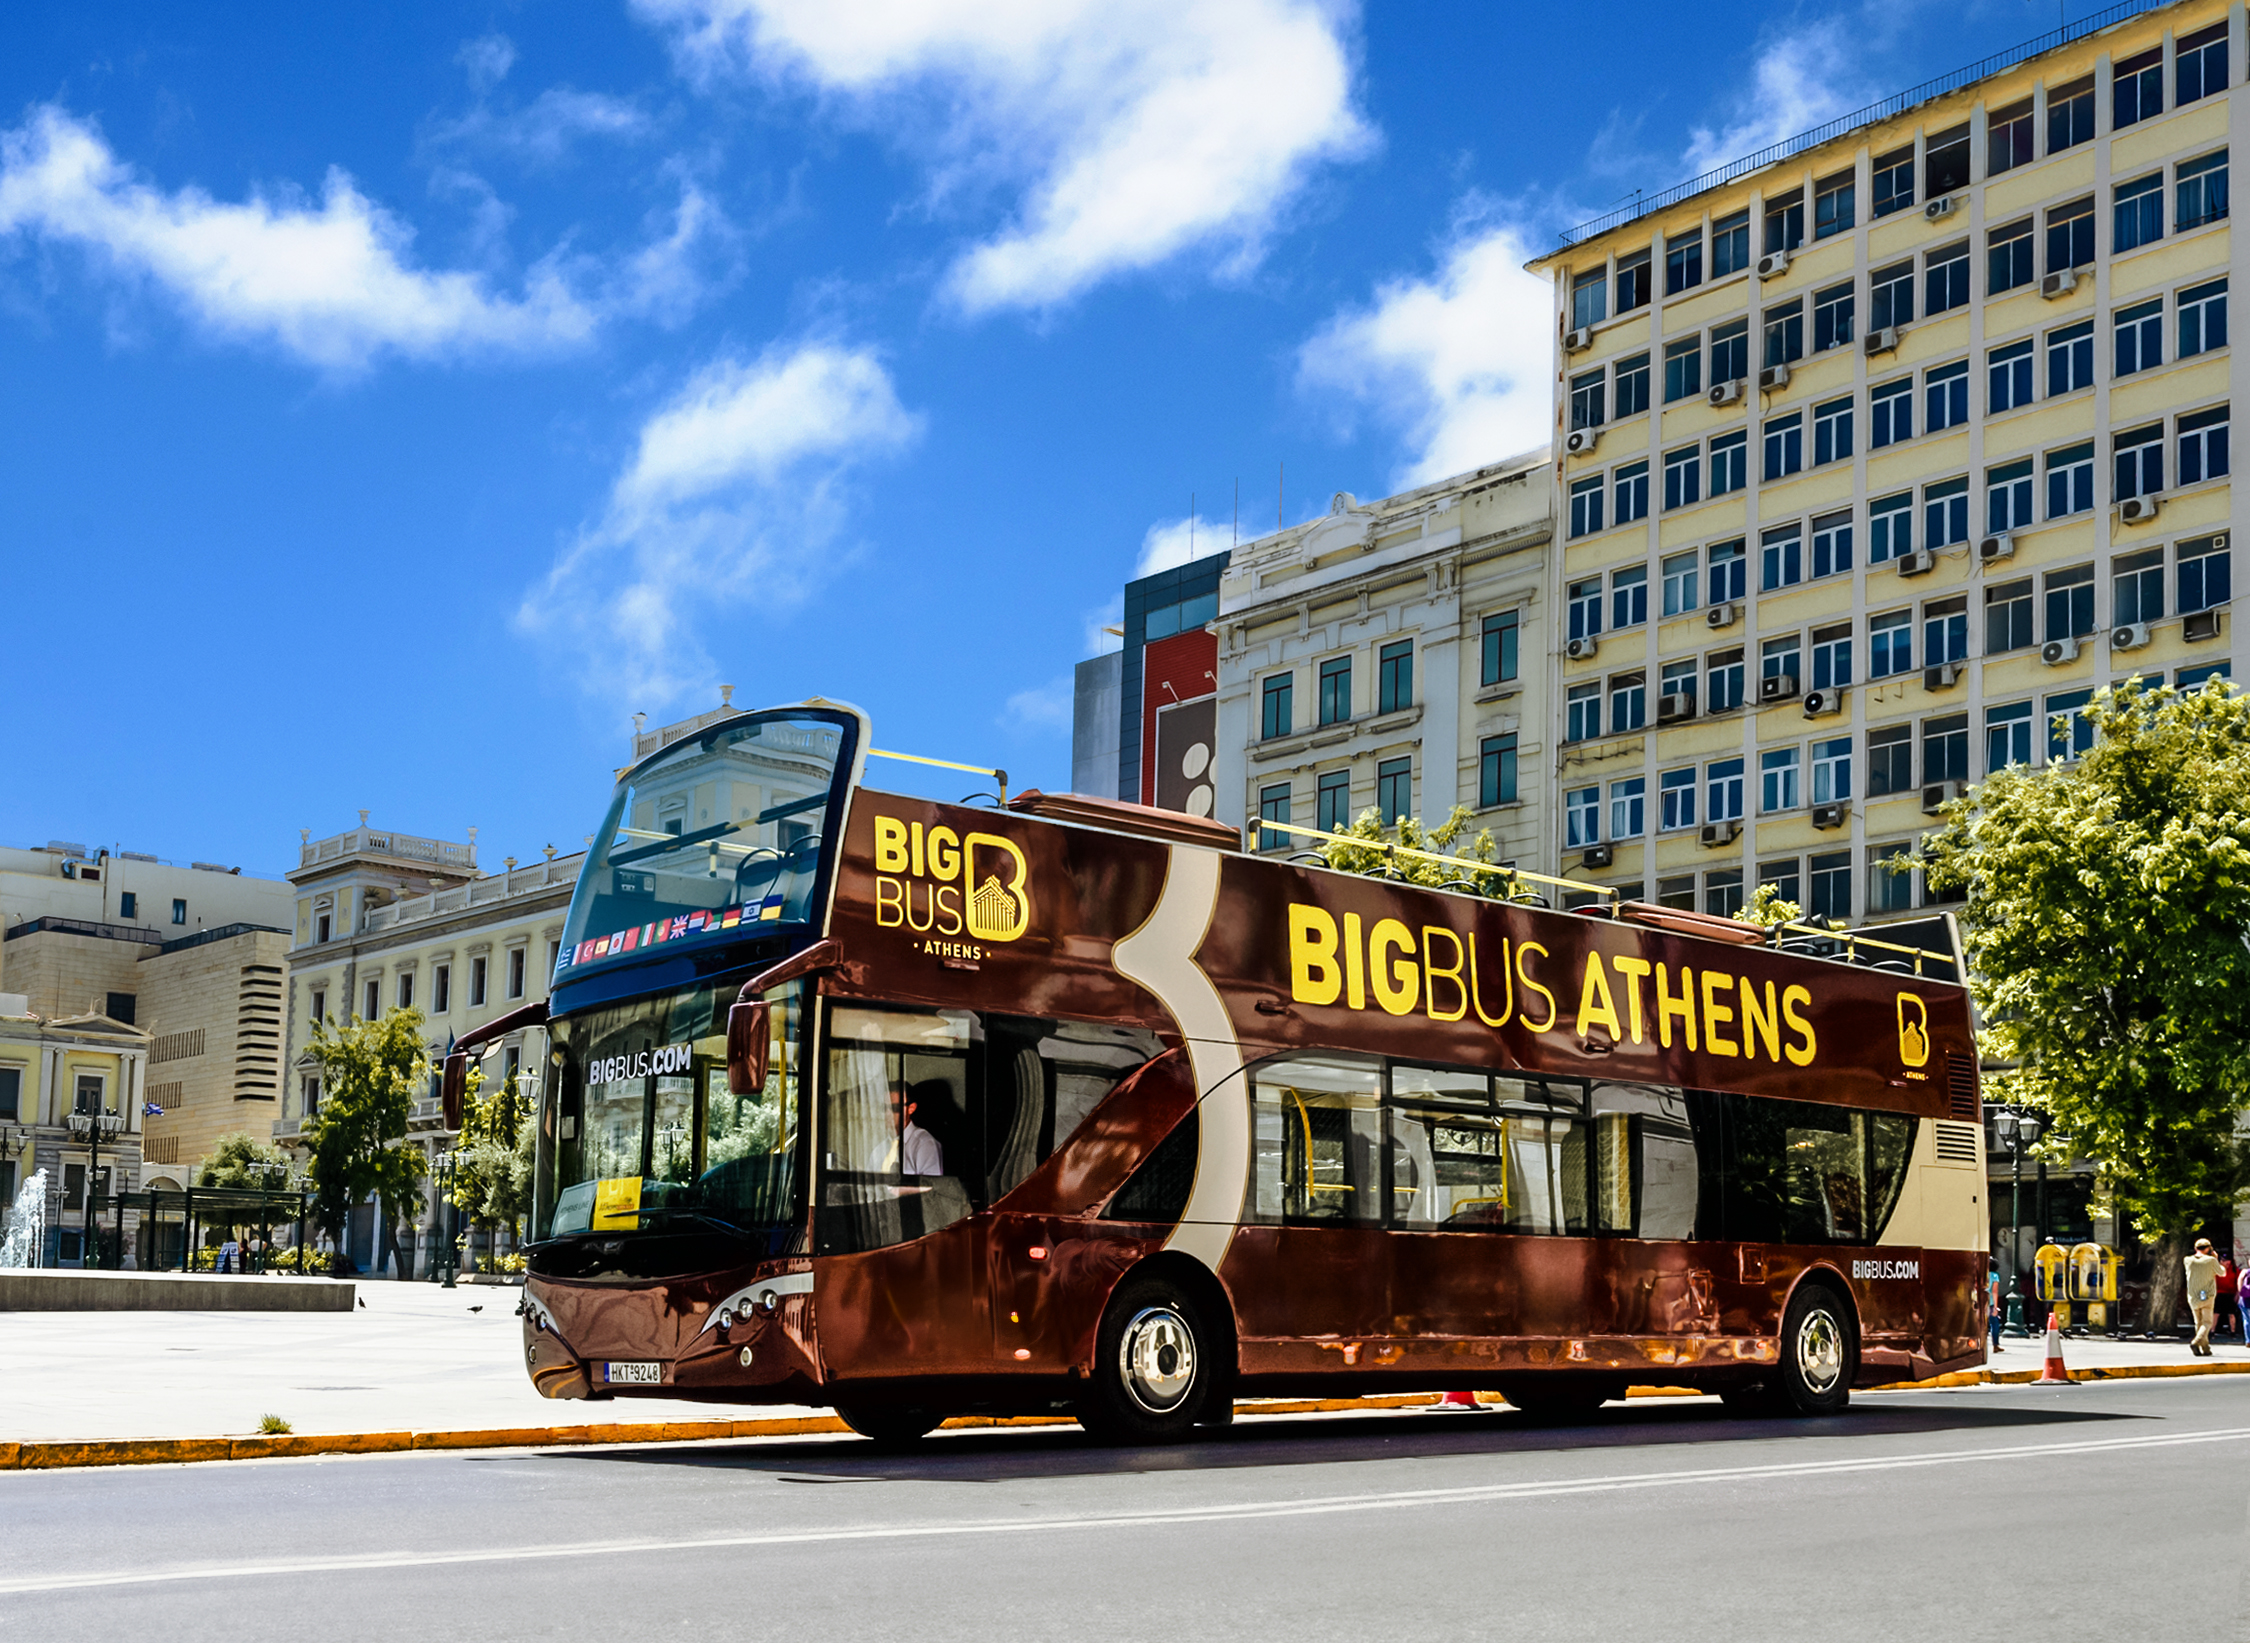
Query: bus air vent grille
point(1158, 1191)
point(1961, 1088)
point(1956, 1143)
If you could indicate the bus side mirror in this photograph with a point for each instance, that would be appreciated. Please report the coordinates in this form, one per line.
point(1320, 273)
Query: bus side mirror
point(454, 1089)
point(747, 1040)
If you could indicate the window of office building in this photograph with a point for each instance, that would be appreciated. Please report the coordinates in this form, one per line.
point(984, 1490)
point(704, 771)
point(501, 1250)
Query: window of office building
point(1890, 878)
point(1681, 583)
point(2007, 497)
point(1945, 749)
point(1629, 493)
point(2007, 616)
point(1722, 790)
point(1730, 351)
point(2205, 576)
point(1628, 703)
point(1781, 558)
point(1683, 369)
point(2070, 236)
point(1722, 891)
point(1683, 477)
point(2203, 318)
point(1628, 807)
point(1589, 298)
point(2201, 191)
point(1831, 769)
point(1394, 676)
point(1582, 713)
point(2136, 88)
point(1890, 413)
point(1890, 760)
point(515, 972)
point(1277, 695)
point(1945, 280)
point(1777, 780)
point(1582, 817)
point(2199, 64)
point(1729, 465)
point(1631, 385)
point(1784, 446)
point(1785, 221)
point(1830, 877)
point(2070, 115)
point(2008, 258)
point(2203, 445)
point(2070, 602)
point(1945, 396)
point(1589, 399)
point(1585, 608)
point(1675, 792)
point(1831, 657)
point(1890, 296)
point(1497, 662)
point(2070, 358)
point(1782, 875)
point(1683, 262)
point(2137, 217)
point(2136, 587)
point(1586, 506)
point(2007, 736)
point(1945, 513)
point(1336, 690)
point(1784, 334)
point(441, 988)
point(1890, 528)
point(1632, 282)
point(1894, 180)
point(1730, 244)
point(1832, 431)
point(1723, 680)
point(1333, 801)
point(1676, 688)
point(1945, 162)
point(1628, 597)
point(2007, 138)
point(1729, 569)
point(2137, 462)
point(1835, 206)
point(2069, 732)
point(2070, 480)
point(1832, 314)
point(2007, 377)
point(478, 969)
point(1496, 771)
point(1273, 806)
point(1890, 643)
point(1781, 659)
point(1394, 790)
point(179, 910)
point(1945, 630)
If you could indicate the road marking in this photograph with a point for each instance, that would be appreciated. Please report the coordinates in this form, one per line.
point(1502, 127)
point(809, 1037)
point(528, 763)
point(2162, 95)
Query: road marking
point(1312, 1507)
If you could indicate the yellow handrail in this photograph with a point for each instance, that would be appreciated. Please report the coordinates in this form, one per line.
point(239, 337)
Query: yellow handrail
point(1615, 895)
point(1000, 776)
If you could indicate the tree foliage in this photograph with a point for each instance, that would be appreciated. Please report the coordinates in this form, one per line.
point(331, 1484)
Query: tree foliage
point(1766, 908)
point(241, 1161)
point(370, 1074)
point(491, 1181)
point(1367, 847)
point(2108, 935)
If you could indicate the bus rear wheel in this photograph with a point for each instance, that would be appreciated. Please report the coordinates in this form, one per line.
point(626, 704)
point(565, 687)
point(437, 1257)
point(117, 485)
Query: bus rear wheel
point(1818, 1353)
point(888, 1427)
point(1152, 1370)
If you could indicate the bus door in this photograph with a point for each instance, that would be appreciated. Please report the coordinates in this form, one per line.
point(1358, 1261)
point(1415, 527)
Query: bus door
point(1316, 1266)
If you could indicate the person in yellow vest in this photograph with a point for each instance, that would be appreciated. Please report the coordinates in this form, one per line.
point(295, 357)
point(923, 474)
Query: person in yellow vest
point(2203, 1293)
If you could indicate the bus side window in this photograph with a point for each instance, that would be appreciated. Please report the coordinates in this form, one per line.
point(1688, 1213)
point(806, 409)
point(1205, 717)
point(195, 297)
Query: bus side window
point(1317, 1125)
point(1646, 1181)
point(1801, 1172)
point(1042, 1079)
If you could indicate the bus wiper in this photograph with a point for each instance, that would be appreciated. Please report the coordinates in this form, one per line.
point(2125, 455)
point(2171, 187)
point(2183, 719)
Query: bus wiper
point(693, 1215)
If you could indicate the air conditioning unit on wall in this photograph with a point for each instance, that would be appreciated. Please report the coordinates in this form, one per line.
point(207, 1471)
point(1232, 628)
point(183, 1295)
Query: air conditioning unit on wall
point(1822, 704)
point(2137, 510)
point(1721, 616)
point(1580, 650)
point(2059, 284)
point(1773, 265)
point(2057, 652)
point(1718, 833)
point(1578, 341)
point(1599, 855)
point(1831, 815)
point(1583, 441)
point(2132, 636)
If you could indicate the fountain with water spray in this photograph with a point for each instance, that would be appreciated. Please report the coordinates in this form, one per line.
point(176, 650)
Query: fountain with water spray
point(26, 1238)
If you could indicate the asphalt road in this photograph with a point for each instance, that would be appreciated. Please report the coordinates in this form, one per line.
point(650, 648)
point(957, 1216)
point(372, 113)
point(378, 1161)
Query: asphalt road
point(2099, 1512)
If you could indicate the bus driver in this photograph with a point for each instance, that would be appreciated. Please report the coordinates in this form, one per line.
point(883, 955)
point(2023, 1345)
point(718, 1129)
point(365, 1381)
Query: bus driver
point(917, 1152)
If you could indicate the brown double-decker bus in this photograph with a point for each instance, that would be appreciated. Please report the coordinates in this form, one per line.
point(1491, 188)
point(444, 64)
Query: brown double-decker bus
point(915, 1109)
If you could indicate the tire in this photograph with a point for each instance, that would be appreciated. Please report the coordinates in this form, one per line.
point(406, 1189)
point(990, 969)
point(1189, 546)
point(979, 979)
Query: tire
point(889, 1427)
point(1755, 1401)
point(1153, 1370)
point(1819, 1353)
point(1563, 1404)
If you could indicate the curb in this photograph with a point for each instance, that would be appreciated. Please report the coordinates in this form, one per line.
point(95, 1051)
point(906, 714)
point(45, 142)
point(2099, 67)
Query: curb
point(42, 1456)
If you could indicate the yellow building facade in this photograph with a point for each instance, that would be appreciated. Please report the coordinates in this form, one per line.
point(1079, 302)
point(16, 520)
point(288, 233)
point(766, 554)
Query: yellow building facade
point(1877, 454)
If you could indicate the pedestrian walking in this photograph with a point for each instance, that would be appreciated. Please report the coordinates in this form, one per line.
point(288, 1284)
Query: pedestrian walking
point(1992, 1301)
point(2223, 1294)
point(2203, 1293)
point(2242, 1302)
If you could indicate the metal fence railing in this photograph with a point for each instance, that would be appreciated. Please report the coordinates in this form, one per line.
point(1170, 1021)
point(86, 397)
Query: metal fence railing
point(1884, 110)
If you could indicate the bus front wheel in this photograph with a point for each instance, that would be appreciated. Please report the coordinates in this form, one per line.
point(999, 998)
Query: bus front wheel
point(1818, 1352)
point(1152, 1367)
point(891, 1428)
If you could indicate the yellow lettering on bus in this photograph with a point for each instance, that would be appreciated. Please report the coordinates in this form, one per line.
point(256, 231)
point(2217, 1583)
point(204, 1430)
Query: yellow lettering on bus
point(914, 847)
point(1630, 970)
point(890, 845)
point(1398, 981)
point(1716, 1015)
point(1507, 985)
point(1314, 977)
point(1595, 1007)
point(1433, 972)
point(1355, 964)
point(890, 894)
point(1667, 1007)
point(1759, 1026)
point(948, 902)
point(945, 853)
point(1792, 998)
point(1523, 974)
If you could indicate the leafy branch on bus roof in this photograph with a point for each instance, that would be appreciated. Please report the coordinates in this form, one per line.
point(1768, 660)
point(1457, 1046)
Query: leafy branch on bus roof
point(1369, 848)
point(1766, 908)
point(2108, 935)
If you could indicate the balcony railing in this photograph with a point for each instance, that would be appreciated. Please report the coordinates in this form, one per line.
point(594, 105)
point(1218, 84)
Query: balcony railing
point(381, 841)
point(562, 872)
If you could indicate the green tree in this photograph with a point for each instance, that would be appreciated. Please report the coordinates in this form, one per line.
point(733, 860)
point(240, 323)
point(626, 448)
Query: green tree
point(492, 1158)
point(1367, 847)
point(2108, 935)
point(370, 1073)
point(1766, 908)
point(241, 1161)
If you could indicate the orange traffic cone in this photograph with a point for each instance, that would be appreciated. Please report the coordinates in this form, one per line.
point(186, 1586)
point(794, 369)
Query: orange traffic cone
point(1457, 1400)
point(2054, 1370)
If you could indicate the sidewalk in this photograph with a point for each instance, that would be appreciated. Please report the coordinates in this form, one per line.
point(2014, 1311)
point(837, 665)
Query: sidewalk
point(418, 1359)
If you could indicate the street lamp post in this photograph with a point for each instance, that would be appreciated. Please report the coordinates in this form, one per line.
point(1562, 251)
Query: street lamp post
point(2018, 1132)
point(94, 1128)
point(448, 1257)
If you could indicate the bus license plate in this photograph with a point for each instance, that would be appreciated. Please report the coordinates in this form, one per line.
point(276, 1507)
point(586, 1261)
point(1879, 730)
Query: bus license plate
point(636, 1374)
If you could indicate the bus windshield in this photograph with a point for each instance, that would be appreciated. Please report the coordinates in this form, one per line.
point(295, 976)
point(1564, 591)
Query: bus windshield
point(715, 839)
point(645, 1132)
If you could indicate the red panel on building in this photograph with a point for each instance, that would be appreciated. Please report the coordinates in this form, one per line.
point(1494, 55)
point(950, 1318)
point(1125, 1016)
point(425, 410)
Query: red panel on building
point(1179, 721)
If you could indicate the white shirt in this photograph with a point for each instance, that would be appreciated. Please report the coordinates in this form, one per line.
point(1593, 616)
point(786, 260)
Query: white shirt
point(919, 1152)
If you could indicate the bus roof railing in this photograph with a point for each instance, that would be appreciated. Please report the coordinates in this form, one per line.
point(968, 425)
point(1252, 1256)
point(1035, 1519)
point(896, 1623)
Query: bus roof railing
point(1852, 942)
point(1000, 776)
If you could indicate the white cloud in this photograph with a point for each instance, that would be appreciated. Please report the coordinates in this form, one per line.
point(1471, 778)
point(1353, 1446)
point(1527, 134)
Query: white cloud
point(1801, 80)
point(486, 59)
point(1171, 542)
point(545, 129)
point(1458, 361)
point(331, 283)
point(1137, 130)
point(1043, 708)
point(739, 485)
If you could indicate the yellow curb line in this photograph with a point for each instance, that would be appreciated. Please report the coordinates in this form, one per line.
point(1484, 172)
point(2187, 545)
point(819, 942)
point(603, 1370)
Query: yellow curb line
point(36, 1455)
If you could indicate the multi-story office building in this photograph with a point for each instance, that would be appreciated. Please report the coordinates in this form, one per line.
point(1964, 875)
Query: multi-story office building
point(1884, 450)
point(1389, 655)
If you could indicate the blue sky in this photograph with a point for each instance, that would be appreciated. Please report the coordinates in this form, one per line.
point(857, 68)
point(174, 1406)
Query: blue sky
point(396, 406)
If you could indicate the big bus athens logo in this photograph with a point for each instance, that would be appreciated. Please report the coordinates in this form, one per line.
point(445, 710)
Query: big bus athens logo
point(1913, 1030)
point(943, 884)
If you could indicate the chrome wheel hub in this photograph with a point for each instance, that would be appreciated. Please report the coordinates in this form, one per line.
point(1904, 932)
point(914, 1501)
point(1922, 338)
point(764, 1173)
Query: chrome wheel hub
point(1820, 1351)
point(1157, 1359)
